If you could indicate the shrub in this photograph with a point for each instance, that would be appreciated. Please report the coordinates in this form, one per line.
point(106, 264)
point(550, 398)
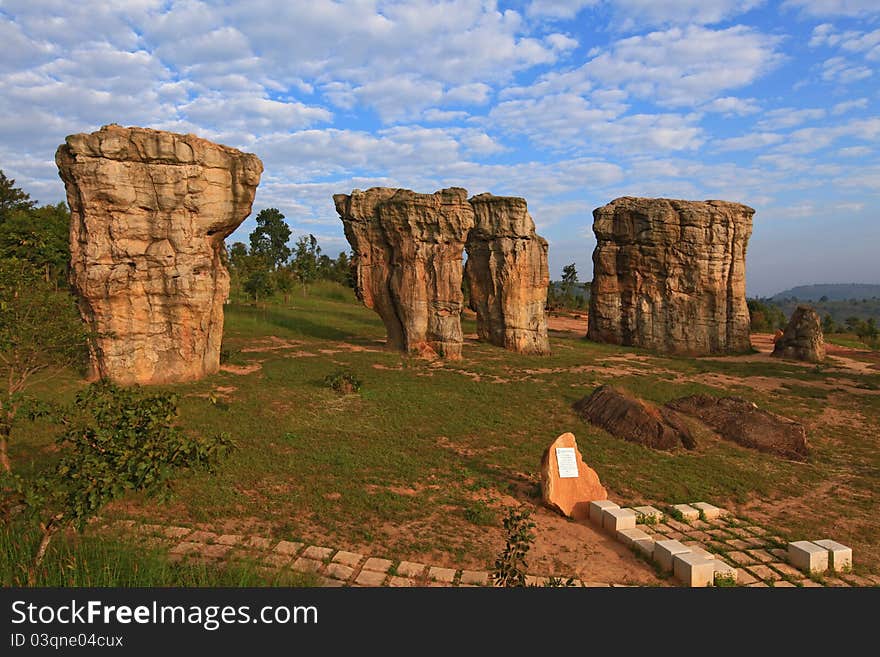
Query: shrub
point(343, 382)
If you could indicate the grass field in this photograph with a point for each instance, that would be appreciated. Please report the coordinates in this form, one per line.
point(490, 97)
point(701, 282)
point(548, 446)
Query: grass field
point(421, 462)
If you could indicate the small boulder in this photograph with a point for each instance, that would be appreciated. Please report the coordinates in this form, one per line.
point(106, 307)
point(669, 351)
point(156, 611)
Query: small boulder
point(802, 338)
point(570, 495)
point(632, 419)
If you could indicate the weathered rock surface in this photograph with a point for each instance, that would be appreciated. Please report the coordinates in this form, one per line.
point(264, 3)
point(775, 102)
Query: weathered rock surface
point(743, 422)
point(408, 260)
point(508, 275)
point(571, 496)
point(635, 420)
point(802, 338)
point(149, 212)
point(669, 275)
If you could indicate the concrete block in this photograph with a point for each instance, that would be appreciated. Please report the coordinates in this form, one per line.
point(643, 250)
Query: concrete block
point(725, 571)
point(839, 556)
point(648, 515)
point(808, 557)
point(645, 546)
point(629, 536)
point(664, 551)
point(693, 569)
point(597, 507)
point(710, 511)
point(687, 511)
point(614, 520)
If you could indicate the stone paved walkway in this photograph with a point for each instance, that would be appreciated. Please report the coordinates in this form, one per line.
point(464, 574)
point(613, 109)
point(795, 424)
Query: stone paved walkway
point(758, 557)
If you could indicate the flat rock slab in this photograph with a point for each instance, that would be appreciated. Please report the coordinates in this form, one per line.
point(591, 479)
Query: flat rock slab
point(571, 496)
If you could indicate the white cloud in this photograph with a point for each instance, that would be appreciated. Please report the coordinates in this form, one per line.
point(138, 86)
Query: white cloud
point(788, 117)
point(561, 42)
point(835, 7)
point(748, 142)
point(443, 116)
point(855, 151)
point(475, 93)
point(558, 8)
point(686, 66)
point(848, 105)
point(732, 106)
point(840, 70)
point(679, 12)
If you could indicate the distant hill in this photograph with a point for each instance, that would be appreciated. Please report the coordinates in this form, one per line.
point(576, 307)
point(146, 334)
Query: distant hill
point(831, 292)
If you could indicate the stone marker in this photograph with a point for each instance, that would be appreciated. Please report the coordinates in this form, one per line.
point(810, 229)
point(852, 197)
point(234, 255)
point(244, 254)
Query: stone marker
point(808, 557)
point(687, 511)
point(664, 551)
point(571, 496)
point(149, 211)
point(613, 520)
point(597, 507)
point(802, 339)
point(694, 569)
point(839, 556)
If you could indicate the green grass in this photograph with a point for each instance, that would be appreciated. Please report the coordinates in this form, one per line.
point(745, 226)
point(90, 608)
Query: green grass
point(415, 463)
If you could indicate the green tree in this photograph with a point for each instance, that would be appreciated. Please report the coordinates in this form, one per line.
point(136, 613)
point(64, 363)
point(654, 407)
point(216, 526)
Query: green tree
point(305, 260)
point(828, 324)
point(41, 333)
point(259, 284)
point(569, 282)
point(40, 236)
point(12, 198)
point(269, 239)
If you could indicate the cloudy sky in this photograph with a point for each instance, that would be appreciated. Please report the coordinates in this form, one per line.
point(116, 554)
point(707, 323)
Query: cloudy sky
point(568, 103)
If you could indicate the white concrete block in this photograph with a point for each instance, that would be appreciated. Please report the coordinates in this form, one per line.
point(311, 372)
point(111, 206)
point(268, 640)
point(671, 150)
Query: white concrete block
point(808, 557)
point(648, 514)
point(839, 555)
point(687, 511)
point(629, 536)
point(694, 569)
point(613, 520)
point(664, 551)
point(597, 507)
point(724, 571)
point(696, 549)
point(645, 546)
point(710, 511)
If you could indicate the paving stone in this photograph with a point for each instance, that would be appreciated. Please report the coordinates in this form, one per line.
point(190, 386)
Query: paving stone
point(596, 509)
point(676, 536)
point(446, 575)
point(710, 511)
point(176, 532)
point(662, 527)
point(699, 536)
point(835, 582)
point(719, 533)
point(756, 542)
point(401, 582)
point(377, 565)
point(764, 573)
point(185, 547)
point(779, 553)
point(757, 531)
point(411, 569)
point(758, 585)
point(340, 571)
point(839, 556)
point(665, 551)
point(613, 520)
point(259, 542)
point(288, 547)
point(761, 555)
point(786, 570)
point(744, 577)
point(739, 532)
point(330, 582)
point(347, 558)
point(229, 539)
point(808, 557)
point(718, 546)
point(687, 511)
point(214, 551)
point(856, 580)
point(874, 578)
point(149, 528)
point(477, 577)
point(739, 544)
point(306, 565)
point(370, 578)
point(647, 513)
point(782, 584)
point(677, 526)
point(317, 552)
point(741, 558)
point(808, 583)
point(700, 524)
point(278, 560)
point(202, 537)
point(694, 569)
point(439, 584)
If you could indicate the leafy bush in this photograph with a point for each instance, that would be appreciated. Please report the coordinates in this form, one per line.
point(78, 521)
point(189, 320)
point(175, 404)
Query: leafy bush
point(343, 382)
point(510, 566)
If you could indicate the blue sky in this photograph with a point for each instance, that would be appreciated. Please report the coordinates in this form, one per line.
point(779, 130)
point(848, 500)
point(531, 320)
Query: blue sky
point(569, 104)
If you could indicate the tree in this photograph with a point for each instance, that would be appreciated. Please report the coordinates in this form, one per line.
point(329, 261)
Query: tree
point(828, 324)
point(41, 333)
point(305, 259)
point(269, 239)
point(259, 283)
point(41, 237)
point(12, 198)
point(569, 281)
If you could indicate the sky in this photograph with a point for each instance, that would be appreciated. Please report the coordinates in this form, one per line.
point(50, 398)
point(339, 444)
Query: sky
point(567, 103)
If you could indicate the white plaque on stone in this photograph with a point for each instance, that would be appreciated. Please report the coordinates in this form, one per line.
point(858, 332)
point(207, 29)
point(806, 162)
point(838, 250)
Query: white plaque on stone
point(567, 462)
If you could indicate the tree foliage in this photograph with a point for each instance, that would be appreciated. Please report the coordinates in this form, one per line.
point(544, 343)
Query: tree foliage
point(269, 239)
point(12, 199)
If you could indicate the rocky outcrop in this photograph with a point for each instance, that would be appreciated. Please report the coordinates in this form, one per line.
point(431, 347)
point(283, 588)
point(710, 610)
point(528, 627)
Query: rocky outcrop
point(149, 213)
point(744, 423)
point(802, 338)
point(669, 275)
point(508, 275)
point(635, 420)
point(569, 495)
point(408, 261)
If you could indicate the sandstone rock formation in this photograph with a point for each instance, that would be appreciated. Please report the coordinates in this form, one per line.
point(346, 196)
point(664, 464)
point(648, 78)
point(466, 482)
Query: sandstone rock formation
point(408, 260)
point(149, 212)
point(635, 420)
point(508, 275)
point(670, 275)
point(802, 338)
point(743, 422)
point(571, 496)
